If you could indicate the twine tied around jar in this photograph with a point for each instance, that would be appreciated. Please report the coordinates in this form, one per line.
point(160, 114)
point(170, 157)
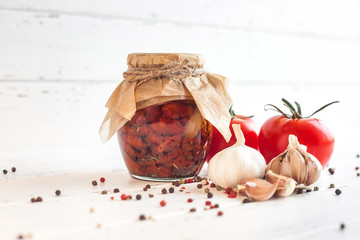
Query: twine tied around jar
point(172, 69)
point(149, 83)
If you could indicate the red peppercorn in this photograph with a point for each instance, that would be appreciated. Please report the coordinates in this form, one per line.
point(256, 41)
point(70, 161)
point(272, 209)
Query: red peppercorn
point(182, 188)
point(212, 185)
point(220, 213)
point(162, 203)
point(124, 197)
point(228, 190)
point(356, 168)
point(207, 203)
point(190, 200)
point(232, 194)
point(102, 179)
point(112, 198)
point(190, 181)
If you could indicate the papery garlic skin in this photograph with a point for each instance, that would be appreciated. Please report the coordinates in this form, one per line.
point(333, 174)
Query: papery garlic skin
point(236, 163)
point(286, 185)
point(296, 163)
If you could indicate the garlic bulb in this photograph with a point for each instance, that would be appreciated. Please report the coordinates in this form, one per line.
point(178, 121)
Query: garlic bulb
point(296, 163)
point(236, 163)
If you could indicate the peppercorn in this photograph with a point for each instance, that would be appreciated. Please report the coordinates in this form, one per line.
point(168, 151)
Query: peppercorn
point(142, 217)
point(13, 169)
point(138, 196)
point(57, 192)
point(20, 236)
point(151, 195)
point(218, 188)
point(316, 188)
point(331, 171)
point(116, 190)
point(220, 213)
point(337, 191)
point(124, 197)
point(358, 174)
point(216, 205)
point(33, 200)
point(203, 182)
point(308, 190)
point(189, 200)
point(176, 184)
point(5, 171)
point(210, 195)
point(212, 185)
point(39, 199)
point(112, 198)
point(94, 183)
point(357, 155)
point(207, 203)
point(342, 226)
point(145, 189)
point(246, 200)
point(206, 190)
point(129, 197)
point(148, 186)
point(356, 168)
point(102, 179)
point(103, 192)
point(199, 185)
point(192, 209)
point(199, 179)
point(332, 185)
point(171, 190)
point(164, 191)
point(189, 181)
point(300, 191)
point(162, 203)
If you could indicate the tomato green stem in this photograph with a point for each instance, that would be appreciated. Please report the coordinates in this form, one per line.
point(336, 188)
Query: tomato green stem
point(233, 115)
point(295, 113)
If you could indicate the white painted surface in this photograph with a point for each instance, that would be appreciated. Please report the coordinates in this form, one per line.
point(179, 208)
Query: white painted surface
point(60, 60)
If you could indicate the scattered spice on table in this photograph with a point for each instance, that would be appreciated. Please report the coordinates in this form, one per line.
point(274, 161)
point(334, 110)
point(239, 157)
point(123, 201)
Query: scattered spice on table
point(92, 210)
point(142, 217)
point(299, 191)
point(13, 169)
point(145, 189)
point(342, 226)
point(192, 209)
point(332, 185)
point(207, 203)
point(124, 197)
point(94, 183)
point(39, 199)
point(33, 200)
point(164, 191)
point(210, 195)
point(219, 188)
point(102, 179)
point(189, 200)
point(162, 203)
point(98, 225)
point(148, 186)
point(112, 198)
point(199, 185)
point(220, 213)
point(57, 192)
point(138, 196)
point(189, 181)
point(171, 190)
point(5, 171)
point(331, 171)
point(358, 174)
point(103, 192)
point(337, 191)
point(151, 195)
point(316, 188)
point(206, 190)
point(116, 190)
point(212, 185)
point(356, 168)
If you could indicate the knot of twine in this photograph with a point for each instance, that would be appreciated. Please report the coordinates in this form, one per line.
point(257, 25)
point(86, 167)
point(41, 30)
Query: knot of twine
point(172, 69)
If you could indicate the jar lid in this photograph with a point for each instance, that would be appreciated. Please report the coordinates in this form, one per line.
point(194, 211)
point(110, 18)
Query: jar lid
point(160, 59)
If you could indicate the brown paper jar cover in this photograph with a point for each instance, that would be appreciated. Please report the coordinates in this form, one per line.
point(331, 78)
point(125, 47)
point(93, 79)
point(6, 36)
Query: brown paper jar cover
point(164, 112)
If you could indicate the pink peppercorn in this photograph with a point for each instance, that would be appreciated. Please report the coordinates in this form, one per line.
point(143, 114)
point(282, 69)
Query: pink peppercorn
point(102, 179)
point(189, 200)
point(162, 203)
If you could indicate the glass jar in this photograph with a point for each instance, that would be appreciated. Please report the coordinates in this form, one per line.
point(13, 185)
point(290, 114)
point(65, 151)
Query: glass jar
point(166, 141)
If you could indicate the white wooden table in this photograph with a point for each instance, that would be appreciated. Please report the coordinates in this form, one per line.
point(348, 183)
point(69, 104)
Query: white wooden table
point(65, 153)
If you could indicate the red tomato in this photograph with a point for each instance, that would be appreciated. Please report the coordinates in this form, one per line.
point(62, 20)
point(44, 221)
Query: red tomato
point(248, 128)
point(311, 132)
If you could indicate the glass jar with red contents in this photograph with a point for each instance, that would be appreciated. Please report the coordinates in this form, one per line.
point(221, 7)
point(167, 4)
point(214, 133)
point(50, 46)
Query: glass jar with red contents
point(164, 112)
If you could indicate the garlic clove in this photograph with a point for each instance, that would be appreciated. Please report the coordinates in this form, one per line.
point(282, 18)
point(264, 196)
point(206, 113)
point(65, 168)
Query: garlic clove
point(314, 169)
point(286, 185)
point(193, 125)
point(241, 190)
point(259, 189)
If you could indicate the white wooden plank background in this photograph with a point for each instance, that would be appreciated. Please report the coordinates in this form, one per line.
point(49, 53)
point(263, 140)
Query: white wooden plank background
point(60, 60)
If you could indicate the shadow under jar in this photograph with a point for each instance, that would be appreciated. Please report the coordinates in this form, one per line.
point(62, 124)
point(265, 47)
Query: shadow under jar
point(165, 142)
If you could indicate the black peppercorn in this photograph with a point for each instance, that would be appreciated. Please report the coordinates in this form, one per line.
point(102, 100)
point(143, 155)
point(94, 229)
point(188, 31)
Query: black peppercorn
point(192, 209)
point(103, 192)
point(164, 191)
point(316, 188)
point(171, 190)
point(300, 191)
point(210, 195)
point(151, 195)
point(148, 186)
point(5, 171)
point(308, 190)
point(357, 155)
point(13, 169)
point(116, 190)
point(94, 183)
point(358, 174)
point(142, 217)
point(39, 199)
point(57, 192)
point(331, 171)
point(342, 226)
point(199, 185)
point(216, 205)
point(332, 185)
point(145, 189)
point(33, 200)
point(138, 197)
point(337, 191)
point(176, 184)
